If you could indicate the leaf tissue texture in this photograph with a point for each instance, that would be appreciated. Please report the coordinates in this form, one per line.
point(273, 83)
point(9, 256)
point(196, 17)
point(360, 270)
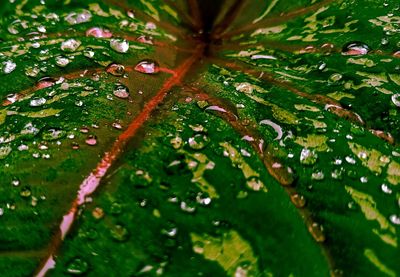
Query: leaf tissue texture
point(199, 138)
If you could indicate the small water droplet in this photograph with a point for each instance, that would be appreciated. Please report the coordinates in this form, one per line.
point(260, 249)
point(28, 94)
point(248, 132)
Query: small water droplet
point(317, 232)
point(8, 66)
point(396, 99)
point(355, 48)
point(37, 102)
point(115, 69)
point(62, 61)
point(81, 16)
point(318, 176)
point(77, 266)
point(147, 67)
point(145, 39)
point(119, 45)
point(25, 192)
point(15, 182)
point(254, 183)
point(91, 140)
point(198, 141)
point(119, 233)
point(70, 45)
point(98, 32)
point(187, 207)
point(121, 91)
point(308, 157)
point(298, 200)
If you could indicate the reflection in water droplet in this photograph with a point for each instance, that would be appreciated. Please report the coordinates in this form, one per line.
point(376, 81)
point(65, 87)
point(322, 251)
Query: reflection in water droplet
point(187, 207)
point(98, 32)
point(319, 175)
point(77, 266)
point(198, 141)
point(70, 45)
point(121, 91)
point(25, 192)
point(119, 45)
point(115, 69)
point(254, 183)
point(355, 48)
point(147, 67)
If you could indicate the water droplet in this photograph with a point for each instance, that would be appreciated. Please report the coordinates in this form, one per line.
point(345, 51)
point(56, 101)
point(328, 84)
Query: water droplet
point(176, 142)
point(147, 67)
point(62, 61)
point(298, 200)
point(119, 45)
point(82, 16)
point(386, 189)
point(187, 207)
point(98, 32)
point(355, 48)
point(91, 140)
point(98, 213)
point(70, 45)
point(115, 69)
point(317, 232)
point(37, 102)
point(198, 141)
point(396, 99)
point(145, 39)
point(25, 192)
point(8, 66)
point(116, 208)
point(254, 183)
point(308, 157)
point(4, 151)
point(77, 266)
point(121, 91)
point(130, 14)
point(119, 233)
point(15, 182)
point(395, 219)
point(319, 175)
point(335, 77)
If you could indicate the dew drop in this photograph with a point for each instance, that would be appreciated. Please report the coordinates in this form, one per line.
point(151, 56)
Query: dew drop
point(82, 16)
point(395, 219)
point(25, 192)
point(308, 157)
point(37, 102)
point(187, 207)
point(119, 233)
point(62, 61)
point(77, 266)
point(396, 99)
point(115, 69)
point(318, 176)
point(298, 200)
point(119, 45)
point(147, 67)
point(91, 140)
point(355, 48)
point(121, 91)
point(198, 141)
point(8, 66)
point(145, 39)
point(317, 232)
point(70, 45)
point(4, 151)
point(98, 32)
point(254, 183)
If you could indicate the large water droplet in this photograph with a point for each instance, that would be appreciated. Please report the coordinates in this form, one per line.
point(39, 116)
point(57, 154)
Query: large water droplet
point(115, 69)
point(119, 45)
point(91, 140)
point(70, 45)
point(98, 32)
point(147, 67)
point(355, 48)
point(62, 61)
point(121, 91)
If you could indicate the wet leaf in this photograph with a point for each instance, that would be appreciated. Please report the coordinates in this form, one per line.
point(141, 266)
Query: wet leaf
point(210, 138)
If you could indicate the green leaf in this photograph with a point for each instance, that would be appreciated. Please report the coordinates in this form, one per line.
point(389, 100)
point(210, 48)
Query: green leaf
point(213, 138)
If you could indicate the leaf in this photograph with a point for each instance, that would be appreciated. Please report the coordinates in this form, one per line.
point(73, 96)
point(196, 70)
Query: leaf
point(184, 138)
